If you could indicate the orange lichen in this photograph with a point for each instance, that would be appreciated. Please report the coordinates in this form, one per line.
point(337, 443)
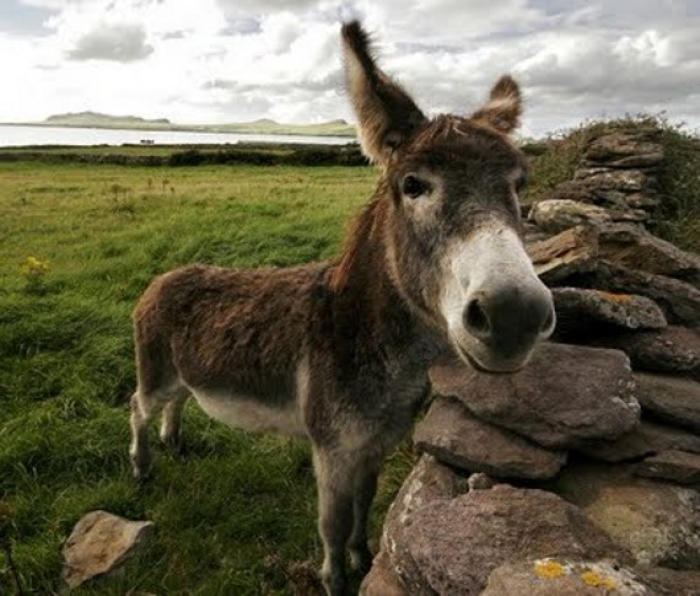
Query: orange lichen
point(549, 569)
point(597, 580)
point(619, 298)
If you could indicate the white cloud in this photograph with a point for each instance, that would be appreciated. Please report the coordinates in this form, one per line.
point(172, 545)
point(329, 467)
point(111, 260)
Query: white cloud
point(229, 60)
point(121, 43)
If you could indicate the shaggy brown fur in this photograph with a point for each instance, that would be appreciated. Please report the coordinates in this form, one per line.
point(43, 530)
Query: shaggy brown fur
point(339, 352)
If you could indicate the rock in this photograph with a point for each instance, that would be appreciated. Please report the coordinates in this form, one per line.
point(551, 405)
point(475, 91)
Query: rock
point(382, 580)
point(672, 399)
point(100, 544)
point(454, 545)
point(576, 306)
point(680, 301)
point(674, 582)
point(429, 481)
point(583, 193)
point(671, 350)
point(450, 433)
point(624, 180)
point(565, 396)
point(573, 251)
point(557, 215)
point(647, 439)
point(635, 248)
point(565, 577)
point(531, 233)
point(625, 149)
point(679, 466)
point(639, 200)
point(658, 523)
point(480, 481)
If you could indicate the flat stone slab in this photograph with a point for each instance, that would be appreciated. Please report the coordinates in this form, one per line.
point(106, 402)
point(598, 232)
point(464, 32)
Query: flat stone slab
point(679, 300)
point(454, 436)
point(674, 350)
point(454, 545)
point(556, 576)
point(675, 582)
point(648, 438)
point(576, 306)
point(657, 522)
point(678, 466)
point(672, 399)
point(572, 251)
point(557, 215)
point(100, 544)
point(635, 248)
point(565, 396)
point(606, 178)
point(610, 148)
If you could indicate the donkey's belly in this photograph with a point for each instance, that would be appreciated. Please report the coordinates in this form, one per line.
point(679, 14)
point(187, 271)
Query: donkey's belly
point(244, 411)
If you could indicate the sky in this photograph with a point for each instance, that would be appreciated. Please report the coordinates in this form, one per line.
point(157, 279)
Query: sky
point(216, 61)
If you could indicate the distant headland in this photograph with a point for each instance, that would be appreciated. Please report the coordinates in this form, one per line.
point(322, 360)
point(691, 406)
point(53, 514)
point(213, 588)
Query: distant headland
point(263, 126)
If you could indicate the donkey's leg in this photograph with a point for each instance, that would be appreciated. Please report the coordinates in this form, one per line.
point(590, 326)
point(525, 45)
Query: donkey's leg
point(365, 487)
point(334, 478)
point(143, 409)
point(171, 418)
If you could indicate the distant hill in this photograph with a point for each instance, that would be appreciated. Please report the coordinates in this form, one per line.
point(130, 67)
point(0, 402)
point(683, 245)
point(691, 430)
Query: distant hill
point(96, 119)
point(262, 126)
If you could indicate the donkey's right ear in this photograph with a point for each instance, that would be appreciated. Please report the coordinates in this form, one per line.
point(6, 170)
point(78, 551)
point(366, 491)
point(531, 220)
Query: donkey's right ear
point(386, 114)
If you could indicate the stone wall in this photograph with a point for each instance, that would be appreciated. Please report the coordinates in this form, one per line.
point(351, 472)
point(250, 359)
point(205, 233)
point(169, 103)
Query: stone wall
point(581, 473)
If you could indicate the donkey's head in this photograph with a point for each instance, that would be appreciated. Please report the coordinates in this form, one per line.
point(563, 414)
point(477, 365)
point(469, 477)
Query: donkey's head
point(450, 216)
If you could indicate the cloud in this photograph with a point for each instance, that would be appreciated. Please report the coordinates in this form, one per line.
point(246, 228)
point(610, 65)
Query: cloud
point(121, 43)
point(228, 60)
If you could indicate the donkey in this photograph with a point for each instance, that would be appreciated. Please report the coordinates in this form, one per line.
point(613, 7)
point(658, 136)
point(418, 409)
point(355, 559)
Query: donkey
point(339, 352)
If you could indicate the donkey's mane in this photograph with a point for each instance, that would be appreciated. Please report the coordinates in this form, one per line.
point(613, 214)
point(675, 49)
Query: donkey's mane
point(361, 230)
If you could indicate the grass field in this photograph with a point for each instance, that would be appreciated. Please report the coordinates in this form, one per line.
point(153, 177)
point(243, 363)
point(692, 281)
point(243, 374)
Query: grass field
point(79, 244)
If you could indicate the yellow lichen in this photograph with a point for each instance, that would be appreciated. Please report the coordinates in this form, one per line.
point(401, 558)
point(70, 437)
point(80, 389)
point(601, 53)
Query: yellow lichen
point(619, 298)
point(597, 580)
point(549, 569)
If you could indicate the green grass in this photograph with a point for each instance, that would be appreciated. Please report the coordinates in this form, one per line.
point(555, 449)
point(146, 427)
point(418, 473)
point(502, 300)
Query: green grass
point(238, 513)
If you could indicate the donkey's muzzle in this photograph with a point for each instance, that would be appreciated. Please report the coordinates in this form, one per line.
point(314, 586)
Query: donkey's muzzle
point(507, 321)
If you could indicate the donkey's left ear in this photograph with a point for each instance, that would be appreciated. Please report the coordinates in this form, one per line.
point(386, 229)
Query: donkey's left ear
point(386, 114)
point(504, 107)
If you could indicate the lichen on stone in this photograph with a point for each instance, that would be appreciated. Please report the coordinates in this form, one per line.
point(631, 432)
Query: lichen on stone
point(597, 580)
point(549, 569)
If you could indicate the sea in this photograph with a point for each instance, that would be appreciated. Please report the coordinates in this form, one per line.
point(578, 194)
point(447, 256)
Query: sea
point(22, 136)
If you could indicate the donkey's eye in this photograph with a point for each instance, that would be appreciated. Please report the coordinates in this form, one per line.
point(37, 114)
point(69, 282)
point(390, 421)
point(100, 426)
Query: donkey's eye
point(414, 187)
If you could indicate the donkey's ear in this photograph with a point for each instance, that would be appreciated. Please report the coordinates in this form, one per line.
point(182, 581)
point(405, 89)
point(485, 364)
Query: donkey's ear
point(386, 114)
point(504, 107)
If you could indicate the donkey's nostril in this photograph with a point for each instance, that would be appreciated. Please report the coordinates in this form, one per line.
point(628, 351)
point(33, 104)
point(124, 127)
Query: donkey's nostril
point(476, 320)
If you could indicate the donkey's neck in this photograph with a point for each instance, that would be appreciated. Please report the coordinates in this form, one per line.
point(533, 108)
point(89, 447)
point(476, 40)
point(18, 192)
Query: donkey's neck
point(368, 306)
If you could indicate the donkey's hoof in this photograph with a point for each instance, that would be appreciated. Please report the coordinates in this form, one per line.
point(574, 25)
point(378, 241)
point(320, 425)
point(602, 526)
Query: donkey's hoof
point(174, 444)
point(361, 559)
point(140, 467)
point(335, 584)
